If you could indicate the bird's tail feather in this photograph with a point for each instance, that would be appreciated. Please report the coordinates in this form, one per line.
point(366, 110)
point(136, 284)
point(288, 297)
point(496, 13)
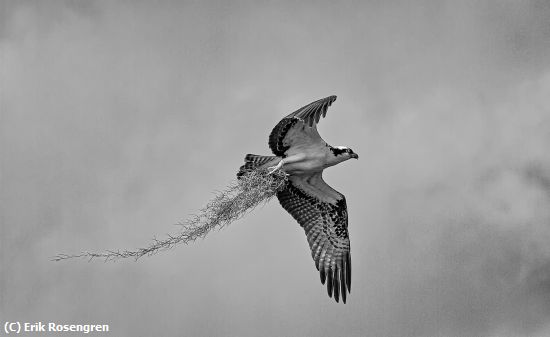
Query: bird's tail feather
point(254, 162)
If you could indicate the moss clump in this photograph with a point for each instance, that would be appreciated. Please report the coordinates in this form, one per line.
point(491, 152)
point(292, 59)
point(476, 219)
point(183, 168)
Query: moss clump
point(253, 188)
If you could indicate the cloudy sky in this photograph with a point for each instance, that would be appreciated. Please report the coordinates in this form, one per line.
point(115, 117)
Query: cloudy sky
point(120, 118)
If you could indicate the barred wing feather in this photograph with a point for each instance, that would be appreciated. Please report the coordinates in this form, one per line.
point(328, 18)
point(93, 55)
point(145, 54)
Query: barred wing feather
point(322, 212)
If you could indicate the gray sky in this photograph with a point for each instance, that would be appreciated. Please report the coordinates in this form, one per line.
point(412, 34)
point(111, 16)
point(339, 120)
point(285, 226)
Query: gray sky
point(118, 119)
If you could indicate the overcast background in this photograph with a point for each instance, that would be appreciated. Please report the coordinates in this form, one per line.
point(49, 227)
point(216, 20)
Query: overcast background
point(118, 119)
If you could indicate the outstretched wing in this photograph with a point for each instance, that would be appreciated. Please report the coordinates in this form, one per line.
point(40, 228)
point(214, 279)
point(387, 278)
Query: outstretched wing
point(322, 212)
point(299, 127)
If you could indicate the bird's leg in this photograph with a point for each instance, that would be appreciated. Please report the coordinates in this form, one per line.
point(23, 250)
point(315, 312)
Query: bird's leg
point(275, 168)
point(295, 158)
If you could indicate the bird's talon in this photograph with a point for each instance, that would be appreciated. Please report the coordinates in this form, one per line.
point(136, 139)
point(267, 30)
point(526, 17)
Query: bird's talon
point(272, 169)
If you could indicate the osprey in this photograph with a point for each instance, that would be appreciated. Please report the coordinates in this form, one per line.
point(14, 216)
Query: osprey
point(302, 154)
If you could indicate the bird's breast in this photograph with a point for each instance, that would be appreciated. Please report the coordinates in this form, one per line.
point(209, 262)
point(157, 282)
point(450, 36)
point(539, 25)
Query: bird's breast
point(310, 164)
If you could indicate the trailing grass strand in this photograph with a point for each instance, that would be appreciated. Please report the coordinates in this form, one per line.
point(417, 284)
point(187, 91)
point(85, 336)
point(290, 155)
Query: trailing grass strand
point(253, 188)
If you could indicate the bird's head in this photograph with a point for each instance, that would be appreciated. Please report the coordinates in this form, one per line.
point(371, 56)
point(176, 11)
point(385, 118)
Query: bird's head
point(343, 153)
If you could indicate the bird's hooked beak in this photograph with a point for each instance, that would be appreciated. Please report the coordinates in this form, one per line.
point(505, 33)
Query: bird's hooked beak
point(354, 155)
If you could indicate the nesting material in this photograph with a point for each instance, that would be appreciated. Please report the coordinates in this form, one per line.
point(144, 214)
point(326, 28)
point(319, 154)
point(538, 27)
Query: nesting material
point(253, 188)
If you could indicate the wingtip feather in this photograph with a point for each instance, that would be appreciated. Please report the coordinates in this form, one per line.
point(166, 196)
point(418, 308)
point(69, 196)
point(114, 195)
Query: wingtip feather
point(348, 271)
point(343, 283)
point(336, 284)
point(329, 283)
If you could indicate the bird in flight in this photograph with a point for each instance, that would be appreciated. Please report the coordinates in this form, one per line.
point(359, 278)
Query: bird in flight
point(301, 153)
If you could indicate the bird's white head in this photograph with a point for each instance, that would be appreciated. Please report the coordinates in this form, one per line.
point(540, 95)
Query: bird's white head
point(342, 153)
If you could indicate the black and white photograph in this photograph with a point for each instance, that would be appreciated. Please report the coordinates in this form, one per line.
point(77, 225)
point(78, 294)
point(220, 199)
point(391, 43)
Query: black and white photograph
point(275, 168)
